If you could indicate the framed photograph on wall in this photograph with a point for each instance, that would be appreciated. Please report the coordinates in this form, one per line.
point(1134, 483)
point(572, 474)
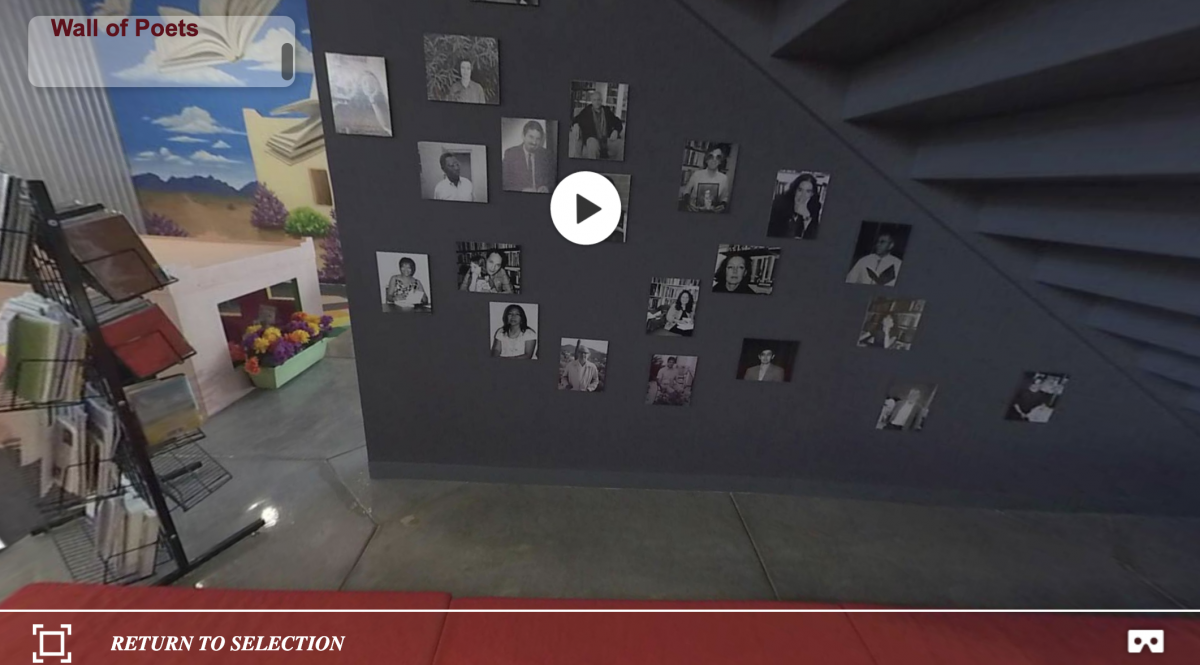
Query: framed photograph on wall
point(1037, 397)
point(489, 267)
point(514, 330)
point(404, 282)
point(708, 169)
point(672, 308)
point(879, 254)
point(530, 149)
point(622, 182)
point(797, 205)
point(767, 360)
point(747, 269)
point(462, 69)
point(358, 92)
point(906, 406)
point(891, 323)
point(453, 172)
point(671, 379)
point(582, 364)
point(598, 120)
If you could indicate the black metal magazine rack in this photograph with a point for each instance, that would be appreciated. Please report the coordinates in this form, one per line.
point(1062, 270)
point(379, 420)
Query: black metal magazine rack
point(173, 475)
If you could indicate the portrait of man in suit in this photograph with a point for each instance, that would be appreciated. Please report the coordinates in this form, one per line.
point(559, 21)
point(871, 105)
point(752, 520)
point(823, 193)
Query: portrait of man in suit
point(767, 360)
point(530, 155)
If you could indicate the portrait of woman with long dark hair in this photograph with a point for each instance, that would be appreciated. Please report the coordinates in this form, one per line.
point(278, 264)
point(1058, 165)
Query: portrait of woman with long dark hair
point(515, 333)
point(796, 210)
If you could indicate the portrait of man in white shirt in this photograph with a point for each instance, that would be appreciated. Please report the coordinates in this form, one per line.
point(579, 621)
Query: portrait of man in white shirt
point(880, 265)
point(453, 172)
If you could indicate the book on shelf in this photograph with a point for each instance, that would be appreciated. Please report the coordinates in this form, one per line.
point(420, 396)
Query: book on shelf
point(113, 254)
point(16, 228)
point(140, 334)
point(166, 408)
point(46, 347)
point(126, 535)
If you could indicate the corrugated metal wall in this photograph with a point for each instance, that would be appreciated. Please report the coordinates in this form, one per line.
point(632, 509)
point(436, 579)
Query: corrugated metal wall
point(65, 136)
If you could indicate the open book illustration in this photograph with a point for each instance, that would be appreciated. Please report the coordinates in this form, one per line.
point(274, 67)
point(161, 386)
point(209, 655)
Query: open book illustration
point(303, 138)
point(225, 34)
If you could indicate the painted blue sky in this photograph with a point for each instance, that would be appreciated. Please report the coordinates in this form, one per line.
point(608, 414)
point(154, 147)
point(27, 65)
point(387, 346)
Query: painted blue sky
point(198, 131)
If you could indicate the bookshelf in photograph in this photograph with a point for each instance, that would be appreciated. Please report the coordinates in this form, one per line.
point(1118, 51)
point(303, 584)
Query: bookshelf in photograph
point(123, 453)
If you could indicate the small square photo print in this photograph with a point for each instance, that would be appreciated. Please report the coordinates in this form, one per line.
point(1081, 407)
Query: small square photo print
point(1037, 397)
point(530, 148)
point(672, 308)
point(489, 267)
point(404, 282)
point(891, 323)
point(462, 69)
point(906, 406)
point(514, 330)
point(747, 269)
point(708, 169)
point(767, 360)
point(796, 208)
point(621, 182)
point(453, 172)
point(598, 117)
point(582, 364)
point(359, 93)
point(671, 379)
point(879, 254)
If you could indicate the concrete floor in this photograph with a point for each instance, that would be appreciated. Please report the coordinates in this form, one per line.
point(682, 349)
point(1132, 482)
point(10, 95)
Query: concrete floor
point(299, 453)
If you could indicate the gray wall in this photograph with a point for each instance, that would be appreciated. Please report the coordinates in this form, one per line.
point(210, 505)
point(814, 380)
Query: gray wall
point(435, 404)
point(65, 136)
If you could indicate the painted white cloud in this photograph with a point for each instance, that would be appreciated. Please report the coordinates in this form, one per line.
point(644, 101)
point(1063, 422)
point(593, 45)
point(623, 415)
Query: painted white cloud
point(221, 145)
point(206, 156)
point(265, 53)
point(147, 71)
point(161, 155)
point(193, 120)
point(306, 32)
point(186, 139)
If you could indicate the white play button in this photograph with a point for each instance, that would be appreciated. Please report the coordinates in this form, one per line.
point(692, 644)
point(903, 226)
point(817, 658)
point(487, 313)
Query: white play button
point(586, 208)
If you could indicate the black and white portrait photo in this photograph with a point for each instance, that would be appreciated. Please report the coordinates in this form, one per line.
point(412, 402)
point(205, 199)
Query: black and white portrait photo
point(708, 170)
point(671, 379)
point(879, 254)
point(745, 269)
point(359, 92)
point(672, 309)
point(453, 172)
point(404, 282)
point(622, 182)
point(767, 360)
point(891, 323)
point(582, 364)
point(598, 117)
point(488, 267)
point(906, 406)
point(530, 150)
point(462, 68)
point(514, 330)
point(797, 205)
point(1037, 397)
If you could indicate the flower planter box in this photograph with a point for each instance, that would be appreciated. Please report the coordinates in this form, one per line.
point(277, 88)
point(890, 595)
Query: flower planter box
point(275, 377)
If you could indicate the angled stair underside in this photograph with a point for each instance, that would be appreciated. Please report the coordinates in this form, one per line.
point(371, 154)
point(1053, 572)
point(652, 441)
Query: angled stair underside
point(1074, 123)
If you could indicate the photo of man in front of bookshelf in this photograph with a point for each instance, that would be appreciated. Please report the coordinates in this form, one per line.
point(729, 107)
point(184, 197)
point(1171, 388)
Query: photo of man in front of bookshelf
point(598, 119)
point(487, 267)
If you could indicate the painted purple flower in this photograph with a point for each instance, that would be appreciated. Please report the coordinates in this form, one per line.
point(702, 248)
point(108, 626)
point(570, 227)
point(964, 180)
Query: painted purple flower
point(326, 323)
point(283, 351)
